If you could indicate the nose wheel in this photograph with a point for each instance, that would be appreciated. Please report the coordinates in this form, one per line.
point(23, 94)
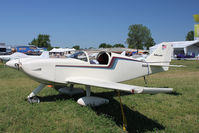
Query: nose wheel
point(32, 97)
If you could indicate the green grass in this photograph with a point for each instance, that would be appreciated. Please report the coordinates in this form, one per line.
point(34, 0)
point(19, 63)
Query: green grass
point(176, 112)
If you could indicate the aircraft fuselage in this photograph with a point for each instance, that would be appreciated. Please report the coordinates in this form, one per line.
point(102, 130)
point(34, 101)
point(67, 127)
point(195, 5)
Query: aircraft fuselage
point(56, 71)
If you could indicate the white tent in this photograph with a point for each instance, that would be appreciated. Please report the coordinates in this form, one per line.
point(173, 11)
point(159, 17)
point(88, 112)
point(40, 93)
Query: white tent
point(60, 50)
point(183, 47)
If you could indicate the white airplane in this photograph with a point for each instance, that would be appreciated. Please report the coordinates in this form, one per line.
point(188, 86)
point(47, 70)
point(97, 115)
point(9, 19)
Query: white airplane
point(108, 73)
point(18, 55)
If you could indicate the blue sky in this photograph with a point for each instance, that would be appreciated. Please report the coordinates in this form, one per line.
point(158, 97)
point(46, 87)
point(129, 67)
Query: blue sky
point(90, 22)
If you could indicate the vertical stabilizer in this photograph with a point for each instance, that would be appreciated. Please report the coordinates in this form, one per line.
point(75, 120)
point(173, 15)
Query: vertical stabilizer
point(161, 56)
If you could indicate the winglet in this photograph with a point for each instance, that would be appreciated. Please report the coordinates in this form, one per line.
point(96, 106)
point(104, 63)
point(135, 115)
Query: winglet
point(157, 90)
point(148, 90)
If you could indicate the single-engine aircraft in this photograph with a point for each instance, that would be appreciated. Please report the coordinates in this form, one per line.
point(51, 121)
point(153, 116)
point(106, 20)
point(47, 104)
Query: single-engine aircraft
point(18, 55)
point(110, 70)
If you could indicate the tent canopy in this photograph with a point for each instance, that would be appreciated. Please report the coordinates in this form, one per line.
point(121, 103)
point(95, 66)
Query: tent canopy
point(179, 44)
point(62, 50)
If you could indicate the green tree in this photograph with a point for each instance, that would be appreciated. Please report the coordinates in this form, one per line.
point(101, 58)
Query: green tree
point(42, 41)
point(149, 43)
point(138, 36)
point(34, 42)
point(104, 45)
point(118, 45)
point(109, 46)
point(190, 36)
point(77, 47)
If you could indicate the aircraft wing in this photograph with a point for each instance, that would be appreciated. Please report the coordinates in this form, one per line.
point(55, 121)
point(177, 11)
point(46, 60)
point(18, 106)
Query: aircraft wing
point(166, 65)
point(118, 86)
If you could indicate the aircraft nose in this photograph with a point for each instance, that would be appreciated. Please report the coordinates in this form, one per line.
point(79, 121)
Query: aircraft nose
point(13, 64)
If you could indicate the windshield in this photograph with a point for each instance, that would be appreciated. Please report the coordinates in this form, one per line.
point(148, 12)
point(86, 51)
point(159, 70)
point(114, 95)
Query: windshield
point(80, 56)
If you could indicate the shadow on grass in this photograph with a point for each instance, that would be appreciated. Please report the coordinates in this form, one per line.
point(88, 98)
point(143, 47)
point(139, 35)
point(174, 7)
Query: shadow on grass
point(174, 93)
point(53, 98)
point(136, 122)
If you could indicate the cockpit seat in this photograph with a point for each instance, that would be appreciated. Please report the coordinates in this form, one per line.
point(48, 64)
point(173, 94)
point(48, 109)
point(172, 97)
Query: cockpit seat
point(103, 58)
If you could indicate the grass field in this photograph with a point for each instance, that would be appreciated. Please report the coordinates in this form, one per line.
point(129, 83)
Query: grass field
point(177, 112)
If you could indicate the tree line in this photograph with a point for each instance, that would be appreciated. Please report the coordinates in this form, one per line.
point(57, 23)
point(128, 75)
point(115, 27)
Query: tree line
point(139, 37)
point(42, 41)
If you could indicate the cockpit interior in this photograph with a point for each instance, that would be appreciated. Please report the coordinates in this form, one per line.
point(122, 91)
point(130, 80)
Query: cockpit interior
point(102, 57)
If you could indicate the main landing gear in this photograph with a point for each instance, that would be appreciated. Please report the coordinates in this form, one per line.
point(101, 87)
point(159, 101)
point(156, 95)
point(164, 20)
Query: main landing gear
point(91, 100)
point(70, 90)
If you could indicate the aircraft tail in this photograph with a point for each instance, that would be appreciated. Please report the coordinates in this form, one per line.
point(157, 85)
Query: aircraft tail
point(161, 56)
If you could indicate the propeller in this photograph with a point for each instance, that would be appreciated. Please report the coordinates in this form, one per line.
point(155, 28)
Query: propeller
point(18, 65)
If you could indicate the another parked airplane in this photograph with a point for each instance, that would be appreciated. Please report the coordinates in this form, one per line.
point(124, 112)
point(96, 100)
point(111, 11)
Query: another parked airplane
point(19, 55)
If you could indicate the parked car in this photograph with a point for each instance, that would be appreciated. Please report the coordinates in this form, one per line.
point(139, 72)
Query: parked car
point(182, 56)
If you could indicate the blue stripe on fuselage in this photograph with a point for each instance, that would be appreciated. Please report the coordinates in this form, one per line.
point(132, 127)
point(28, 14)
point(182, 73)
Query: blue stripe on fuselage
point(111, 66)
